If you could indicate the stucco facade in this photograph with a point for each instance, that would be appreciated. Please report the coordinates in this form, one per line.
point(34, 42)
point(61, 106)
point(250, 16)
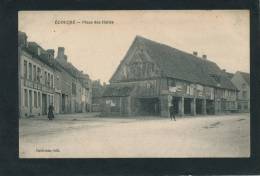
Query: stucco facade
point(45, 80)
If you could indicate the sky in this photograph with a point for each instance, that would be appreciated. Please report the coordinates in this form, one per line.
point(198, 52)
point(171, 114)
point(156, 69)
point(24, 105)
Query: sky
point(97, 49)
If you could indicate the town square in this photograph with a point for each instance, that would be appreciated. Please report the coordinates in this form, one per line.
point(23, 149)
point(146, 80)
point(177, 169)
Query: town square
point(131, 88)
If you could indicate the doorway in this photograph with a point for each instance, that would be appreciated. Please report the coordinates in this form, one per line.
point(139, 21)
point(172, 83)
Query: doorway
point(149, 106)
point(198, 106)
point(175, 103)
point(187, 105)
point(63, 103)
point(30, 102)
point(44, 104)
point(210, 107)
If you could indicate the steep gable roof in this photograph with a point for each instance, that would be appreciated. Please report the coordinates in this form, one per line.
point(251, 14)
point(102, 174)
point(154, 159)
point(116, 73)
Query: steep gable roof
point(246, 76)
point(184, 66)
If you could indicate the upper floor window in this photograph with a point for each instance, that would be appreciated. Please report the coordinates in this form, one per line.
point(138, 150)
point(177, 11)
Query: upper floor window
point(171, 83)
point(51, 81)
point(243, 86)
point(38, 74)
point(34, 73)
point(45, 78)
point(48, 81)
point(73, 88)
point(25, 69)
point(244, 94)
point(30, 71)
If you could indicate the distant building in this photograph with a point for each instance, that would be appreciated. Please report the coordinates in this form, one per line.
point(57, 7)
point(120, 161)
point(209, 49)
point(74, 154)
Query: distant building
point(97, 91)
point(242, 82)
point(152, 76)
point(75, 86)
point(44, 80)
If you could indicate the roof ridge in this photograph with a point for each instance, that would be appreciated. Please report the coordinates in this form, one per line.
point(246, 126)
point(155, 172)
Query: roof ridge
point(171, 47)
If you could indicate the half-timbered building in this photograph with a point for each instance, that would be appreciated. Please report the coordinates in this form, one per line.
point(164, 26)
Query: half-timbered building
point(152, 76)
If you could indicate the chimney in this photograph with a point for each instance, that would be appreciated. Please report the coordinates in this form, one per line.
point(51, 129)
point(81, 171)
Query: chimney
point(204, 56)
point(195, 53)
point(22, 39)
point(61, 52)
point(50, 53)
point(65, 58)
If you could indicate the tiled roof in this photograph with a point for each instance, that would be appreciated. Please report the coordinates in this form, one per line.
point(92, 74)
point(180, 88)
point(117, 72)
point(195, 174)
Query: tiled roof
point(43, 57)
point(246, 76)
point(184, 66)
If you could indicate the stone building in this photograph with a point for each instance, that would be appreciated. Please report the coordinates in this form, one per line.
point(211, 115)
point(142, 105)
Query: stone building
point(36, 77)
point(152, 76)
point(75, 86)
point(242, 82)
point(46, 80)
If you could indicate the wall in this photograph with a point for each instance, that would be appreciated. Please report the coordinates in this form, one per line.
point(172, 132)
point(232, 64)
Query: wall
point(36, 84)
point(242, 86)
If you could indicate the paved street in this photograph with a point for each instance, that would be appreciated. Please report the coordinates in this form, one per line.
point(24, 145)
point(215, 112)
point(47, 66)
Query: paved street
point(87, 136)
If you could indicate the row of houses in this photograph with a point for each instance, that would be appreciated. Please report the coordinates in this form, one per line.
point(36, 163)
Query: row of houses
point(48, 80)
point(150, 78)
point(153, 76)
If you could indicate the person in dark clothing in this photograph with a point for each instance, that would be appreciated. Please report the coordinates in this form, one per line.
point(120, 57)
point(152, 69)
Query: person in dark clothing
point(50, 112)
point(172, 114)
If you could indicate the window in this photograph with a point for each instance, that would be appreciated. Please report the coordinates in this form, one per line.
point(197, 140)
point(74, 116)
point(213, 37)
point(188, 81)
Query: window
point(51, 81)
point(148, 85)
point(45, 78)
point(244, 94)
point(25, 69)
point(38, 74)
point(25, 98)
point(48, 81)
point(30, 71)
point(171, 83)
point(35, 99)
point(245, 107)
point(243, 86)
point(73, 88)
point(34, 72)
point(39, 99)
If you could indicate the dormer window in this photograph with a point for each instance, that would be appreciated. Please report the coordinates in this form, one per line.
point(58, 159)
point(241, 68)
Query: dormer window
point(216, 78)
point(38, 51)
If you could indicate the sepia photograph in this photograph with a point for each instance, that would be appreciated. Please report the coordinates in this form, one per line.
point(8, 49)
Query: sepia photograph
point(134, 84)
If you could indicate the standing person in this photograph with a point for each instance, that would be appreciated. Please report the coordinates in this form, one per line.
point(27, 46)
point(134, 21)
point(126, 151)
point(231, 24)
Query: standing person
point(172, 114)
point(50, 112)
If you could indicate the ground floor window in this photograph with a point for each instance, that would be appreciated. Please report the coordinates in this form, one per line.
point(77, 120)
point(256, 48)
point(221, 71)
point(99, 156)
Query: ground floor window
point(39, 99)
point(35, 99)
point(48, 97)
point(25, 97)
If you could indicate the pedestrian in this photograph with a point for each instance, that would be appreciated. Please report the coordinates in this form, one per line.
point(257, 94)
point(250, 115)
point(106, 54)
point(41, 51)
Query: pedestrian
point(172, 113)
point(50, 112)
